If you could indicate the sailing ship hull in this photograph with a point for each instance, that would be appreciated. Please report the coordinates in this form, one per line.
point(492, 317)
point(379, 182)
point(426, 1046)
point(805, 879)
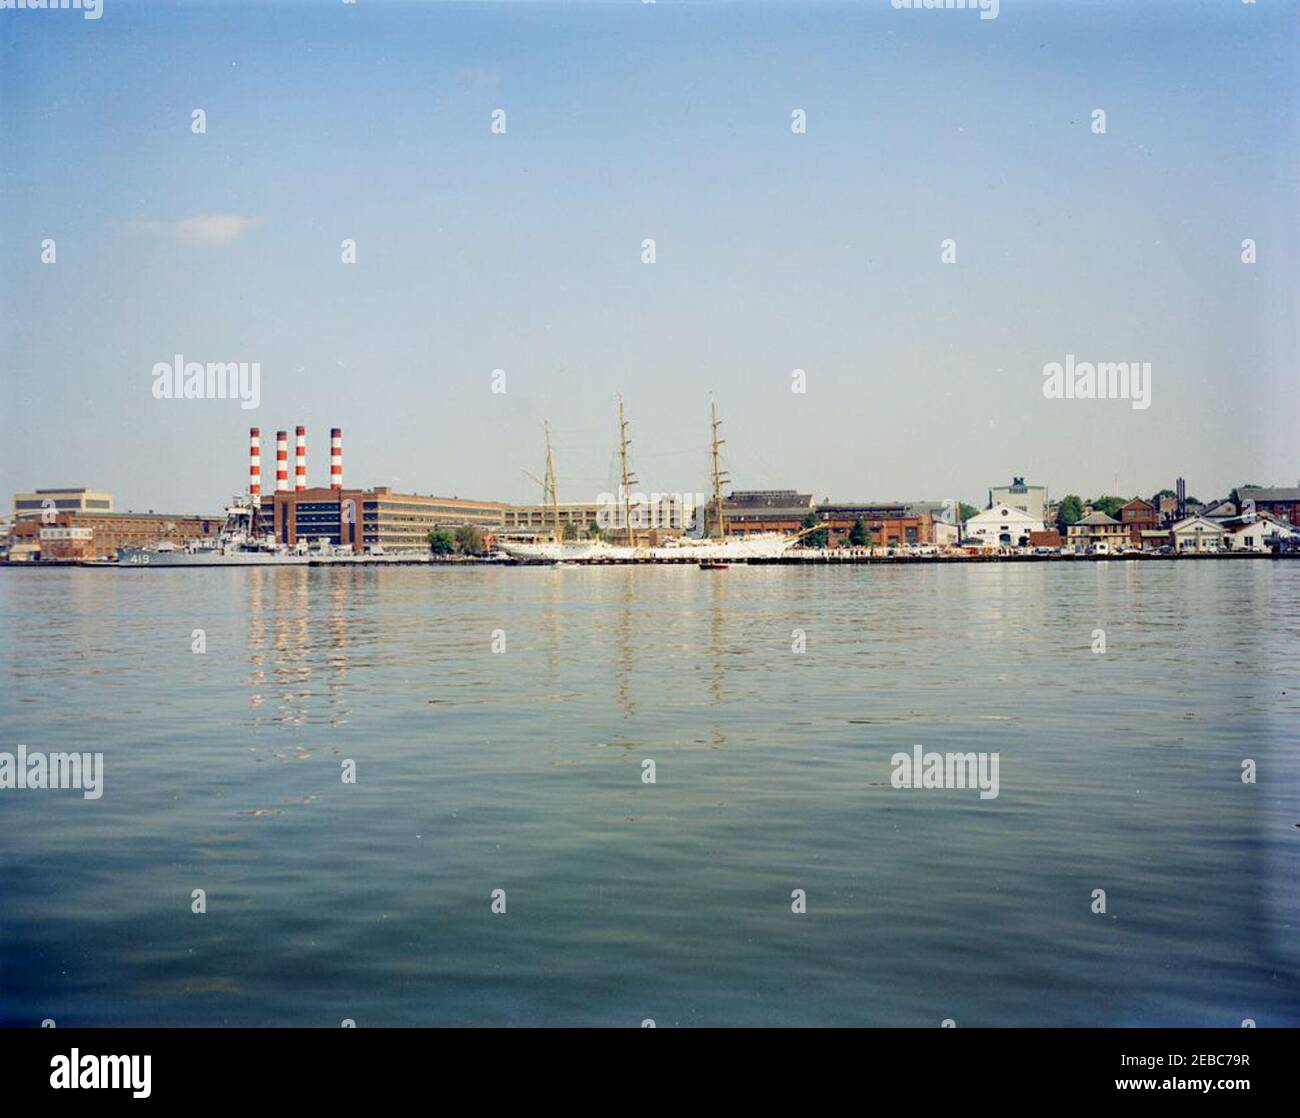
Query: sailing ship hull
point(684, 550)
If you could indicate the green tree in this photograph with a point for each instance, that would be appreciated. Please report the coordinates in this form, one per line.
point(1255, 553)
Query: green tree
point(441, 542)
point(817, 538)
point(858, 534)
point(1109, 505)
point(1069, 511)
point(469, 540)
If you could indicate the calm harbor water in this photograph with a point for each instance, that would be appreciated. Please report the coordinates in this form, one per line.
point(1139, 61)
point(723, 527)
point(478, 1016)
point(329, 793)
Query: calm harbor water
point(522, 770)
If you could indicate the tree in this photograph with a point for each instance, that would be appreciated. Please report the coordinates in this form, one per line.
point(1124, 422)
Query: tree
point(817, 538)
point(441, 542)
point(569, 531)
point(1069, 511)
point(858, 534)
point(966, 511)
point(469, 540)
point(1109, 505)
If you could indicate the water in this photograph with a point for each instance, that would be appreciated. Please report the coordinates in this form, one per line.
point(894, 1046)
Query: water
point(522, 771)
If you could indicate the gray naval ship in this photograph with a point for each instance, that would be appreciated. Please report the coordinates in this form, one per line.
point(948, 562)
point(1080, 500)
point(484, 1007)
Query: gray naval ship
point(242, 542)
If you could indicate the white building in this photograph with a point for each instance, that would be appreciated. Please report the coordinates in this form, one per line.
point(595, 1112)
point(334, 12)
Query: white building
point(1197, 534)
point(1031, 499)
point(1003, 526)
point(1257, 535)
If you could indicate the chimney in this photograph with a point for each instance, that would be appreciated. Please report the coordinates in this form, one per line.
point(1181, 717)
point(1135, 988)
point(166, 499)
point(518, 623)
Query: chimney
point(336, 458)
point(254, 463)
point(281, 461)
point(300, 462)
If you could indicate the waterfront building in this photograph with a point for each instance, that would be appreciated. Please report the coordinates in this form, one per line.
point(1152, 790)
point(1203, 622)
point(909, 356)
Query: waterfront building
point(67, 543)
point(1282, 503)
point(1031, 499)
point(111, 530)
point(752, 512)
point(1003, 526)
point(1197, 534)
point(1098, 528)
point(890, 525)
point(367, 518)
point(1138, 516)
point(1257, 534)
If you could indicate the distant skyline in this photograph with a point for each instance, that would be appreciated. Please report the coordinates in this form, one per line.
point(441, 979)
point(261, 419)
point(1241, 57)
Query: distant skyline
point(775, 250)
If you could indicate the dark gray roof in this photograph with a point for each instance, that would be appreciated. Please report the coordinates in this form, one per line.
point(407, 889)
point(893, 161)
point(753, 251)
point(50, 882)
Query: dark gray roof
point(1269, 493)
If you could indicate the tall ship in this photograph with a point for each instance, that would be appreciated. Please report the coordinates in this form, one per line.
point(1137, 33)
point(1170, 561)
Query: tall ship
point(240, 543)
point(708, 544)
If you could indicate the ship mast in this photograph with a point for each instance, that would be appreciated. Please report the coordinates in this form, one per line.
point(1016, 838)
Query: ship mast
point(627, 479)
point(548, 486)
point(719, 475)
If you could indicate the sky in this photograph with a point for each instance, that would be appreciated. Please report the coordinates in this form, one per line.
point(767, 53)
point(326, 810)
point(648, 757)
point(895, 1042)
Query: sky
point(774, 250)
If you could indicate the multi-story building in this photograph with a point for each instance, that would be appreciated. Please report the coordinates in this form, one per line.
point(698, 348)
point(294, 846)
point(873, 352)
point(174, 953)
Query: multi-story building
point(111, 531)
point(748, 512)
point(1003, 526)
point(1031, 499)
point(538, 521)
point(1138, 516)
point(52, 501)
point(67, 543)
point(1098, 528)
point(894, 524)
point(1283, 503)
point(366, 518)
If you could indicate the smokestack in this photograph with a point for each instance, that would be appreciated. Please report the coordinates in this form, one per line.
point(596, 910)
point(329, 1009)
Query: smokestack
point(336, 458)
point(254, 463)
point(300, 462)
point(281, 461)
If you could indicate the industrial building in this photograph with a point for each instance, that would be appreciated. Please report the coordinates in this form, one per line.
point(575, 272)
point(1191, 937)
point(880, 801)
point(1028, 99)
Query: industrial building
point(81, 524)
point(358, 518)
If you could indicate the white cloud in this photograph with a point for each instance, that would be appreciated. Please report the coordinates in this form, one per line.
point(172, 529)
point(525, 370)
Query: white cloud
point(207, 229)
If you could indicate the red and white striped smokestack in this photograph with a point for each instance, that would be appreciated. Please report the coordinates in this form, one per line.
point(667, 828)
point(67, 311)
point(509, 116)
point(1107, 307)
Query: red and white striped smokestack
point(281, 461)
point(254, 462)
point(336, 458)
point(300, 461)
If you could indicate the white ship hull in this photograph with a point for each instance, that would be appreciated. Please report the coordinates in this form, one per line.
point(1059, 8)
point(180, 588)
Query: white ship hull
point(683, 550)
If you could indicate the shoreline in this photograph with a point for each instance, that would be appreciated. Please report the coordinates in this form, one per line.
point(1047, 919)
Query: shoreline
point(830, 559)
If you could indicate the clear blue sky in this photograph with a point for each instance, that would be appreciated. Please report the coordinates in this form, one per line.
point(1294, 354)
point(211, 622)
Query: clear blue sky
point(776, 251)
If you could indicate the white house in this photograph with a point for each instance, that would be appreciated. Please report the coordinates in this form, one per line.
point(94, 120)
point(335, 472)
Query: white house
point(1195, 534)
point(1003, 526)
point(1257, 534)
